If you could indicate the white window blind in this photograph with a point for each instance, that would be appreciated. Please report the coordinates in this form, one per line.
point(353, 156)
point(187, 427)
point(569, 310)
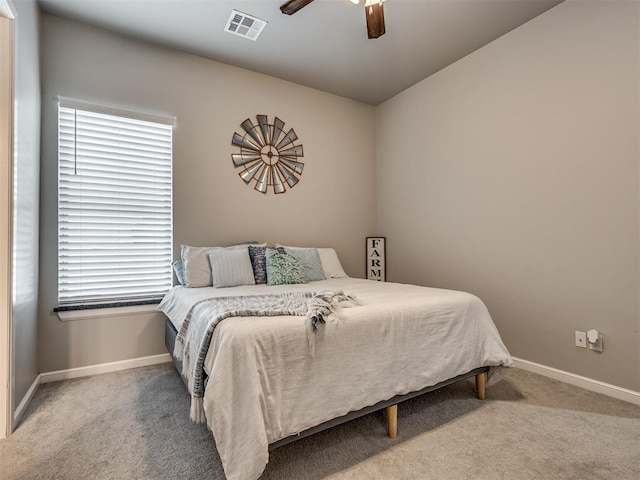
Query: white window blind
point(114, 207)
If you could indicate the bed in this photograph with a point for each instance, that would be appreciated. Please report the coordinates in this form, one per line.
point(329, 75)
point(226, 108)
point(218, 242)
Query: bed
point(266, 386)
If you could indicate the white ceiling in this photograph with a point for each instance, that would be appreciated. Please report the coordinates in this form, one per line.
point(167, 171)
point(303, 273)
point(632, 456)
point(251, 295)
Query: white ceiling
point(325, 44)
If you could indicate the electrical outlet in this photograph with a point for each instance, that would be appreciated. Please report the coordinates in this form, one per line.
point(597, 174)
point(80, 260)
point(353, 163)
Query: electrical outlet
point(581, 339)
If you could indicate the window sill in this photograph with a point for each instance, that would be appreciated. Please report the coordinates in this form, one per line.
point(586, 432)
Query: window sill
point(97, 313)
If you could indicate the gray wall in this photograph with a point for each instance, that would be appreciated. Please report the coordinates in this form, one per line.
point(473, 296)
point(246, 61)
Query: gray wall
point(513, 174)
point(26, 196)
point(333, 205)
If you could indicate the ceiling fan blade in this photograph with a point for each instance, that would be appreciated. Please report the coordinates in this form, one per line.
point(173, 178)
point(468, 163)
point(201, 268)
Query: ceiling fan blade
point(292, 6)
point(375, 20)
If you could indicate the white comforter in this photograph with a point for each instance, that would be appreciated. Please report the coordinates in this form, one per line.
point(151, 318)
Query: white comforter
point(264, 383)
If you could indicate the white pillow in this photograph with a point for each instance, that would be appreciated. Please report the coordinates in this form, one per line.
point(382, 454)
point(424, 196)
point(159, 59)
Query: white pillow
point(231, 267)
point(331, 264)
point(329, 259)
point(197, 269)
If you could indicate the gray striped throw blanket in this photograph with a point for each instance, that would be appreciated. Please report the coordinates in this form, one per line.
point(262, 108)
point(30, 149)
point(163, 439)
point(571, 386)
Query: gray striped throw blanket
point(194, 337)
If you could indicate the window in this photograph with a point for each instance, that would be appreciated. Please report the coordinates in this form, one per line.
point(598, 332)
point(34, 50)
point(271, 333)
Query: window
point(115, 237)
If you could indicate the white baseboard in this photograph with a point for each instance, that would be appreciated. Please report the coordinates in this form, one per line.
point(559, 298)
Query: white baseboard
point(104, 368)
point(567, 377)
point(26, 400)
point(580, 381)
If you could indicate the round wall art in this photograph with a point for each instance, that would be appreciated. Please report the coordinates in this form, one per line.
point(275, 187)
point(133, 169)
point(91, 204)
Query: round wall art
point(268, 155)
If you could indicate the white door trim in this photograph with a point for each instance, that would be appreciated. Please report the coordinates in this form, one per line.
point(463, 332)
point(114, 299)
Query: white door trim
point(6, 221)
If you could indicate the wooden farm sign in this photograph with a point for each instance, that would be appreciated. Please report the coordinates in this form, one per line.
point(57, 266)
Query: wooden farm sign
point(376, 266)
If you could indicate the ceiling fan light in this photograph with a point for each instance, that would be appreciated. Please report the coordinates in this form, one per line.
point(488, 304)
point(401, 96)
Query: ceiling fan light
point(355, 1)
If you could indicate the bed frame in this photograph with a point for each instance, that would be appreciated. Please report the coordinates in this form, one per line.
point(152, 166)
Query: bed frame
point(390, 406)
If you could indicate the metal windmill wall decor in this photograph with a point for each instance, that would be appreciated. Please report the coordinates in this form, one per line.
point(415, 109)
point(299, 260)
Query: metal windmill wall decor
point(268, 155)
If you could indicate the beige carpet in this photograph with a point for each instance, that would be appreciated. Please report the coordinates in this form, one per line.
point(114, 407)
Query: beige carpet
point(135, 425)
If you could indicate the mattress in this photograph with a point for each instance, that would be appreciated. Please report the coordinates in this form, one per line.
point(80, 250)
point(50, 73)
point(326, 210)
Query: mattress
point(265, 384)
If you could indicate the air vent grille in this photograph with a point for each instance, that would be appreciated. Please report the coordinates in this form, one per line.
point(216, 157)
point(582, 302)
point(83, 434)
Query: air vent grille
point(244, 25)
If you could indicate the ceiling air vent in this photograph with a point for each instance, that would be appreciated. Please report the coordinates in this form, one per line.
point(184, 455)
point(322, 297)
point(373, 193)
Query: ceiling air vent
point(245, 25)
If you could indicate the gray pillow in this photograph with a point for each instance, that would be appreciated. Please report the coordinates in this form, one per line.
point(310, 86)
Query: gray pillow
point(283, 269)
point(178, 269)
point(310, 259)
point(230, 267)
point(197, 269)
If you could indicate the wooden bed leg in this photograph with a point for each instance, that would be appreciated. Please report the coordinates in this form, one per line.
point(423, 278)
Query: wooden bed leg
point(480, 385)
point(392, 420)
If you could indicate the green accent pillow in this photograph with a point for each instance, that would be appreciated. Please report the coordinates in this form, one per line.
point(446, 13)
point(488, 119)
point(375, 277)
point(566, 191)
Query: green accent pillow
point(283, 269)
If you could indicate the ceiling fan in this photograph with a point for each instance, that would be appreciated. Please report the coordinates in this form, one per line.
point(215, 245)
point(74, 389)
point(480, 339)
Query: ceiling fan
point(374, 13)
